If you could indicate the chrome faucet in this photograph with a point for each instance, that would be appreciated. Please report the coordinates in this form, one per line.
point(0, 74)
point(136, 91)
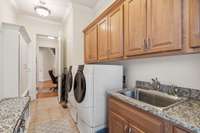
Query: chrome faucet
point(155, 84)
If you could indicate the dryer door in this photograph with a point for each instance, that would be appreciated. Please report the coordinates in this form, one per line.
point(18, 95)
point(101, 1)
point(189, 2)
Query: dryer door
point(79, 85)
point(69, 79)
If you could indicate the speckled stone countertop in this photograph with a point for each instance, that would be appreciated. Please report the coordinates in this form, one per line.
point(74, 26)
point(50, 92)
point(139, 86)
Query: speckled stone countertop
point(185, 114)
point(10, 112)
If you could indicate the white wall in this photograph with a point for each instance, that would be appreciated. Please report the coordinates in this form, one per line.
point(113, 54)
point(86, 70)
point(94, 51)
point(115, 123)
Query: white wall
point(1, 67)
point(181, 70)
point(82, 15)
point(46, 62)
point(77, 20)
point(69, 38)
point(36, 26)
point(7, 14)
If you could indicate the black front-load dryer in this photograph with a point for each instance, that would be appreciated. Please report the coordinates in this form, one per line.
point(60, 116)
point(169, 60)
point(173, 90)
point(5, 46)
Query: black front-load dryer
point(79, 85)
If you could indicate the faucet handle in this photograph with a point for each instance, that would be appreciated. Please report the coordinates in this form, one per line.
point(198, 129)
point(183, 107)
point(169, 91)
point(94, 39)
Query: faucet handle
point(155, 80)
point(174, 90)
point(155, 83)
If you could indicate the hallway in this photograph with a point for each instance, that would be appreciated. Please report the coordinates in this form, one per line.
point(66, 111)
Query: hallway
point(46, 89)
point(47, 116)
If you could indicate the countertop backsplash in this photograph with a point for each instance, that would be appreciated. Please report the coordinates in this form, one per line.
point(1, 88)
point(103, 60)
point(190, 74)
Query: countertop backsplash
point(180, 91)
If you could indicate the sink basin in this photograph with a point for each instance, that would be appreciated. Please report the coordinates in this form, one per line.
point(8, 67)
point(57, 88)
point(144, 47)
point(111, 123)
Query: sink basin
point(157, 99)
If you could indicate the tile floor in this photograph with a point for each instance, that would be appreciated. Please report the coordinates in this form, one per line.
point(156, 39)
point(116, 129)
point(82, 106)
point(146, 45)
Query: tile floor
point(47, 116)
point(44, 89)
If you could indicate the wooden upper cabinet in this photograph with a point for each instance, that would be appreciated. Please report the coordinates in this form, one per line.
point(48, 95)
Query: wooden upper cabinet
point(103, 39)
point(115, 33)
point(91, 45)
point(136, 27)
point(135, 18)
point(194, 12)
point(164, 25)
point(117, 124)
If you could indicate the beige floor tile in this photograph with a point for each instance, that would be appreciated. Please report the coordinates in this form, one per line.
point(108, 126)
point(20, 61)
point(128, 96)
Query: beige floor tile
point(46, 112)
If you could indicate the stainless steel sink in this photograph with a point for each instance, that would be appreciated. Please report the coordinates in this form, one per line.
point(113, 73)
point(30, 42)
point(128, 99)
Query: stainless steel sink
point(154, 98)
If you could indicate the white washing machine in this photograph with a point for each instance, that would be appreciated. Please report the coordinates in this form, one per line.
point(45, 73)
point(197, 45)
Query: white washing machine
point(90, 85)
point(72, 104)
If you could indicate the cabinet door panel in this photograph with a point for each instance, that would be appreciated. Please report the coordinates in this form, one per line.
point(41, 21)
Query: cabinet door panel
point(194, 23)
point(116, 33)
point(117, 124)
point(143, 121)
point(91, 45)
point(103, 39)
point(164, 25)
point(135, 26)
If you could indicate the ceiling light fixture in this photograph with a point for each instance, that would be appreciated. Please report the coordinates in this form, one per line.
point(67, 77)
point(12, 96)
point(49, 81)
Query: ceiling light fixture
point(41, 10)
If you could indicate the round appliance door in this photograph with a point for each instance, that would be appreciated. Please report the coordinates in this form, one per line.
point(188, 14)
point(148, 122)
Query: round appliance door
point(69, 81)
point(79, 86)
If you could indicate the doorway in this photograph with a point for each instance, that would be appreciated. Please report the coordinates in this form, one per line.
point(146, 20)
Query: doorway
point(47, 71)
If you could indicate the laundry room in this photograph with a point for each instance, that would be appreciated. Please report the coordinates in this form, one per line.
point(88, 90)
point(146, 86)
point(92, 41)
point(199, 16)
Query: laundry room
point(99, 66)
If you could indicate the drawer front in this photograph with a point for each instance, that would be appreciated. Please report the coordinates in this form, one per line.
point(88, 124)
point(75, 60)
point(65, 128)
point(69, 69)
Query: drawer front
point(143, 120)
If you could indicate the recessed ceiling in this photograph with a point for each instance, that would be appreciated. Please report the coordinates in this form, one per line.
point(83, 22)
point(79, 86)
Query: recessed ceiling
point(58, 7)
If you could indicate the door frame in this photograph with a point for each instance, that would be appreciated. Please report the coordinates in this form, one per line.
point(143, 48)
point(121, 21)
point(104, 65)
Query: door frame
point(58, 61)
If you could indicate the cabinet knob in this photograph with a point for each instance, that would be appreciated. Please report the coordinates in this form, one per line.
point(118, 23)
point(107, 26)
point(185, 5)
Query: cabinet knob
point(145, 44)
point(149, 43)
point(130, 130)
point(125, 128)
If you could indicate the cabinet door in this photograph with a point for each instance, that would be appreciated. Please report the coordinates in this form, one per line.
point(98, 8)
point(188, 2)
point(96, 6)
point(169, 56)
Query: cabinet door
point(178, 130)
point(135, 26)
point(134, 129)
point(116, 33)
point(194, 23)
point(164, 25)
point(91, 45)
point(117, 124)
point(103, 39)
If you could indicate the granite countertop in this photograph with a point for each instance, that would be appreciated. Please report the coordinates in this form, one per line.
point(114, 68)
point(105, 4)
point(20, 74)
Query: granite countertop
point(11, 110)
point(185, 114)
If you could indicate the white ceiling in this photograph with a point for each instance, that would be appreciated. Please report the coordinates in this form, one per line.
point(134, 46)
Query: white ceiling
point(88, 3)
point(58, 7)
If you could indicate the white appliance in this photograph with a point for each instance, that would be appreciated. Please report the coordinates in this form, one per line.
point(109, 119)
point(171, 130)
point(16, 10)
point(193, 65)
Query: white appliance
point(15, 40)
point(90, 85)
point(72, 102)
